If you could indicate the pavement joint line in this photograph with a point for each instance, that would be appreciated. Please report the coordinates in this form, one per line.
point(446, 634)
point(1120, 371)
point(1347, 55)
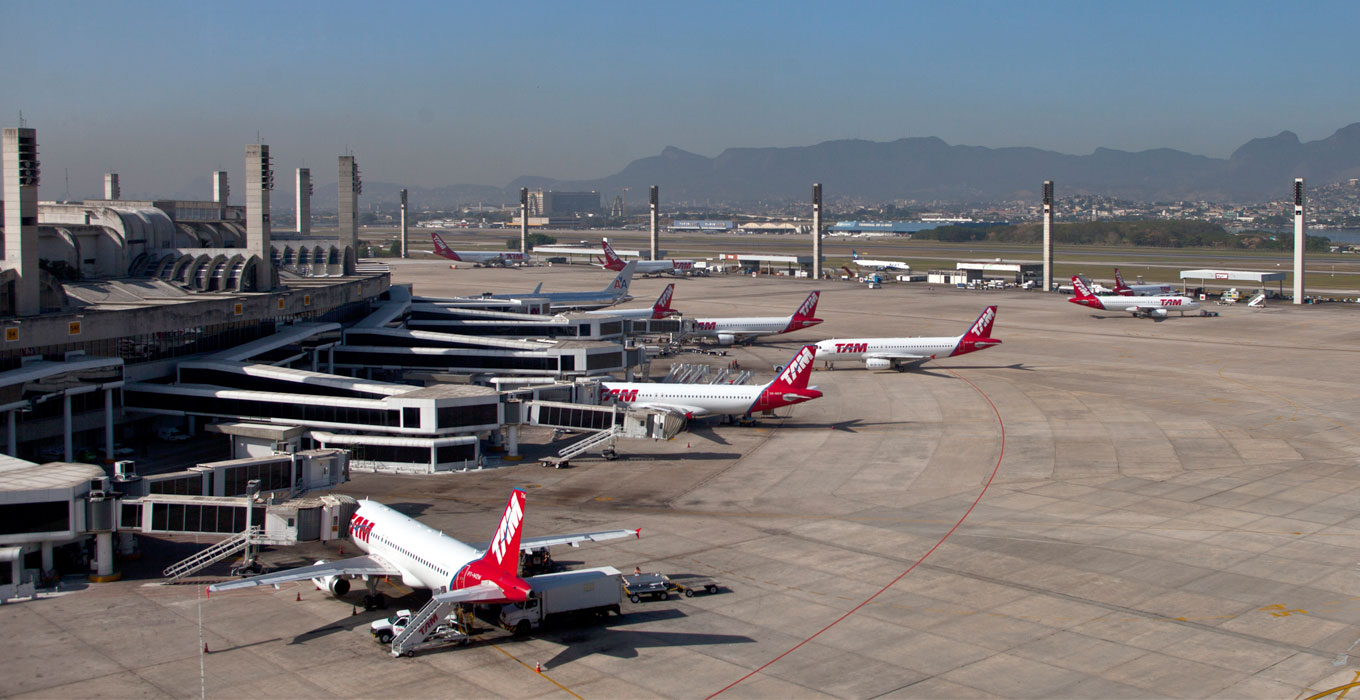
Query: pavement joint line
point(564, 688)
point(1296, 405)
point(1001, 456)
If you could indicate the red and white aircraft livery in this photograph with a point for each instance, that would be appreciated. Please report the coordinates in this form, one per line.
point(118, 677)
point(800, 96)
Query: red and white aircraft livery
point(661, 309)
point(1139, 290)
point(747, 329)
point(422, 557)
point(692, 400)
point(483, 258)
point(647, 267)
point(1147, 307)
point(905, 353)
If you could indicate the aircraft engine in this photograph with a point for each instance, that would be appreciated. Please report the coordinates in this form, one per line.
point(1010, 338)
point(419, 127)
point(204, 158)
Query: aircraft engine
point(877, 363)
point(335, 585)
point(726, 338)
point(1159, 313)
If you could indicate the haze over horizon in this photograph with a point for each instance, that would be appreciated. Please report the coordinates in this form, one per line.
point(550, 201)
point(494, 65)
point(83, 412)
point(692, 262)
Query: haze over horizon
point(434, 94)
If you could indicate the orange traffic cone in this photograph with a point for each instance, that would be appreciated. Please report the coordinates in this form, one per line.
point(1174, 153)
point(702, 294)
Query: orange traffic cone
point(538, 667)
point(205, 648)
point(353, 611)
point(299, 596)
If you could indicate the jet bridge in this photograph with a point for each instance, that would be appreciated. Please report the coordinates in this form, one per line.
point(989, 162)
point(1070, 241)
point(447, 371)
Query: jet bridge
point(604, 423)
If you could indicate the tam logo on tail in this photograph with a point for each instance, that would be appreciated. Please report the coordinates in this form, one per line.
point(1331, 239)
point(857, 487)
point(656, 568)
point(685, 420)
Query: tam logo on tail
point(798, 366)
point(982, 328)
point(441, 248)
point(809, 307)
point(611, 259)
point(507, 534)
point(1119, 285)
point(1080, 285)
point(662, 307)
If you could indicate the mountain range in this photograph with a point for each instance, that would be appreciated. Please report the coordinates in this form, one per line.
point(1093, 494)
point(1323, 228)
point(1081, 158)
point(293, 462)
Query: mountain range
point(927, 169)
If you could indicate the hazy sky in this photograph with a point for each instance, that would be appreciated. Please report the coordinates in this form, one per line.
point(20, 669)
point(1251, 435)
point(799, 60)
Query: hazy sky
point(440, 93)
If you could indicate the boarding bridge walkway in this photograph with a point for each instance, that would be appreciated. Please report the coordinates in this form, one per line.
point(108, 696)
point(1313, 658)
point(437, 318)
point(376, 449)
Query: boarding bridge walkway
point(605, 423)
point(212, 555)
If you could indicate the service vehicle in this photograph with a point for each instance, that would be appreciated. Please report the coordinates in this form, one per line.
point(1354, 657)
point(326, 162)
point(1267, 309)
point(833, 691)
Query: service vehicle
point(388, 628)
point(562, 595)
point(688, 585)
point(655, 586)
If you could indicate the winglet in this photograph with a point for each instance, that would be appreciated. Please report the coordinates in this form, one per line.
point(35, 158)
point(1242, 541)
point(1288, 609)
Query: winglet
point(638, 532)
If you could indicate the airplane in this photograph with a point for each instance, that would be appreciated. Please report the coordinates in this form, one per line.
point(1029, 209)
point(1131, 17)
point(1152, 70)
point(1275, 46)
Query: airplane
point(647, 267)
point(789, 387)
point(615, 293)
point(1139, 290)
point(420, 556)
point(1147, 307)
point(661, 309)
point(906, 353)
point(879, 264)
point(480, 258)
point(747, 329)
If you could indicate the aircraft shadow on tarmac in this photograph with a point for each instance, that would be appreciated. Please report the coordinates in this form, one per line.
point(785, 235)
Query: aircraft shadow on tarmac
point(610, 640)
point(937, 373)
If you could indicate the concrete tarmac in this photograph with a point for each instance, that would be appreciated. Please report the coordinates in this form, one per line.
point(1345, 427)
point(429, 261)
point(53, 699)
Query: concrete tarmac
point(1100, 507)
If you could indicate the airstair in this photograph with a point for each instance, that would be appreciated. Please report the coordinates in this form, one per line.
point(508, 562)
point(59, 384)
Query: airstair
point(604, 423)
point(428, 622)
point(212, 555)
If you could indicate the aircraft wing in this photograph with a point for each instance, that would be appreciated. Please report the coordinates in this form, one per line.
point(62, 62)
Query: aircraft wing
point(527, 543)
point(483, 591)
point(576, 540)
point(681, 411)
point(367, 565)
point(901, 358)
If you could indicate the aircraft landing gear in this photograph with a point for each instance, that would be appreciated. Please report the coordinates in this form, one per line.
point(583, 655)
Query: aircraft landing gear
point(373, 600)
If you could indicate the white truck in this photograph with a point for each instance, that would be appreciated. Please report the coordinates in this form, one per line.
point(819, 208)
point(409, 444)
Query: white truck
point(584, 592)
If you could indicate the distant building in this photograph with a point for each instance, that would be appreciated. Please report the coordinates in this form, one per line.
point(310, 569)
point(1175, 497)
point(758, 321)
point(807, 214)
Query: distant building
point(703, 226)
point(554, 204)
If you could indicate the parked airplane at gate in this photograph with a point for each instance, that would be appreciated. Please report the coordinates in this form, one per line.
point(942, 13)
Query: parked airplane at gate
point(480, 258)
point(1139, 290)
point(879, 264)
point(647, 267)
point(661, 309)
point(906, 353)
point(615, 293)
point(693, 400)
point(422, 557)
point(747, 329)
point(1147, 307)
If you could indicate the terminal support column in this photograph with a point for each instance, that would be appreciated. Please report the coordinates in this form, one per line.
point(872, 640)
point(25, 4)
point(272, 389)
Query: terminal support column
point(108, 425)
point(103, 557)
point(512, 441)
point(13, 437)
point(66, 425)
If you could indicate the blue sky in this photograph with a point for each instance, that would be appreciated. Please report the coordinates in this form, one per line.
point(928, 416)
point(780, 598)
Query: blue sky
point(439, 93)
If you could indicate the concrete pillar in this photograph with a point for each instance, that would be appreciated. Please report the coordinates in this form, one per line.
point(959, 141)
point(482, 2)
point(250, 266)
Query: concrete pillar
point(259, 184)
point(404, 230)
point(12, 433)
point(1300, 240)
point(108, 426)
point(524, 220)
point(304, 201)
point(512, 441)
point(111, 188)
point(103, 557)
point(221, 188)
point(816, 230)
point(316, 358)
point(656, 230)
point(46, 556)
point(1048, 235)
point(350, 187)
point(330, 359)
point(66, 426)
point(20, 157)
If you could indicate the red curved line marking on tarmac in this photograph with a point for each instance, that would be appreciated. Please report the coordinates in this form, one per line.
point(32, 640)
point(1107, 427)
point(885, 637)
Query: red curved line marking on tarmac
point(893, 582)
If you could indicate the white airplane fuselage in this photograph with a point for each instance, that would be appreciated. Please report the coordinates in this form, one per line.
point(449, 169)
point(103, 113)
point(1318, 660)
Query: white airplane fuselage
point(859, 348)
point(427, 557)
point(703, 399)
